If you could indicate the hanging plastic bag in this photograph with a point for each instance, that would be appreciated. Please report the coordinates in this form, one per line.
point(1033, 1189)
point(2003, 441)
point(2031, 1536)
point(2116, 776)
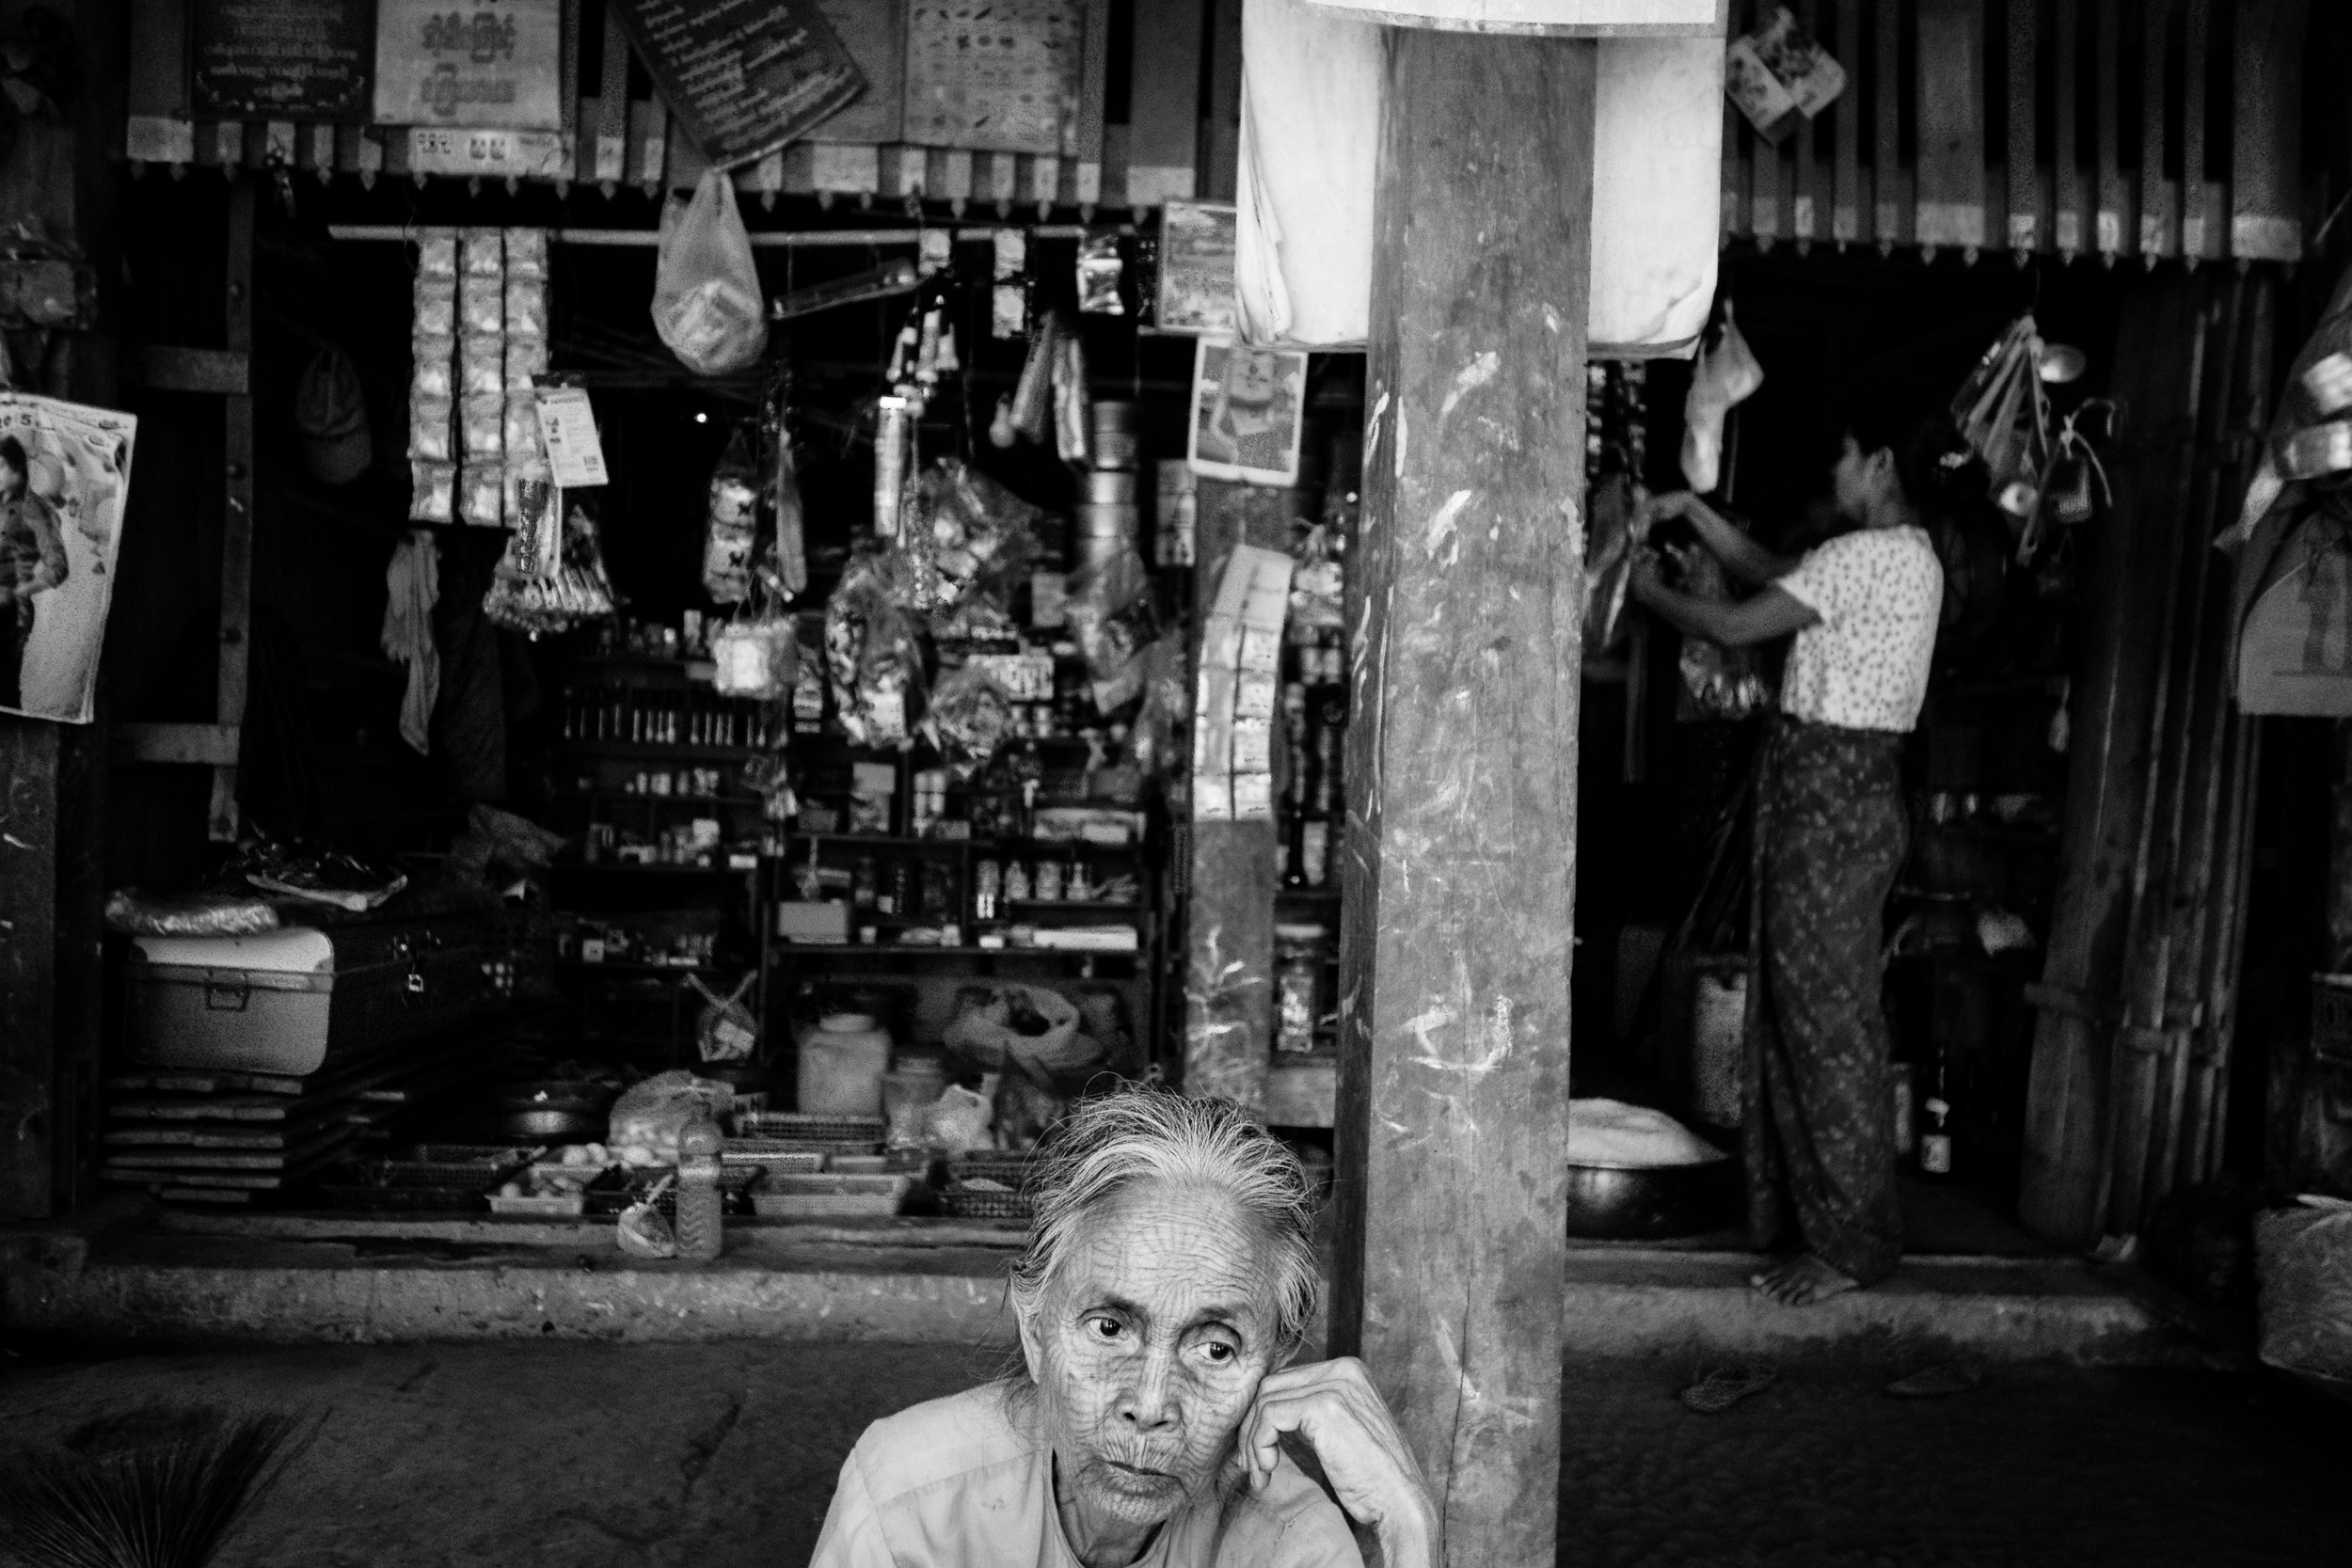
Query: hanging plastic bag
point(871, 655)
point(969, 717)
point(788, 555)
point(731, 524)
point(706, 303)
point(757, 658)
point(2004, 415)
point(726, 1031)
point(1726, 376)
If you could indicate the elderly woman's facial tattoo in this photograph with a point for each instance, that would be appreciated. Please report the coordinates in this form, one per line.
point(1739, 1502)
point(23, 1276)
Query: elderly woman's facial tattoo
point(1148, 1345)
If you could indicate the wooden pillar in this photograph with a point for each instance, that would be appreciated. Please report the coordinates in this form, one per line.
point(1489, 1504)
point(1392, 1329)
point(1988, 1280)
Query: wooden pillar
point(1233, 872)
point(1459, 861)
point(2128, 571)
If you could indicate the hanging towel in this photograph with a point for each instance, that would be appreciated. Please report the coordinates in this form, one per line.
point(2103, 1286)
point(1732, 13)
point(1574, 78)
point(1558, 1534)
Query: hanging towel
point(1313, 84)
point(414, 583)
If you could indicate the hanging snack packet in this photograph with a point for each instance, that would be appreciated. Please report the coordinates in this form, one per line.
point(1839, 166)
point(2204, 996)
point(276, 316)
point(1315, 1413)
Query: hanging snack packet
point(432, 425)
point(482, 495)
point(522, 438)
point(588, 588)
point(791, 553)
point(433, 375)
point(871, 655)
point(1073, 406)
point(1100, 270)
point(730, 523)
point(482, 428)
point(526, 310)
point(482, 253)
point(526, 362)
point(437, 253)
point(435, 307)
point(432, 493)
point(527, 253)
point(481, 305)
point(522, 589)
point(480, 365)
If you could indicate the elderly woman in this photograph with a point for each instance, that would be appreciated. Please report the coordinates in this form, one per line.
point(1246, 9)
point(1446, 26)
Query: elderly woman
point(1168, 1281)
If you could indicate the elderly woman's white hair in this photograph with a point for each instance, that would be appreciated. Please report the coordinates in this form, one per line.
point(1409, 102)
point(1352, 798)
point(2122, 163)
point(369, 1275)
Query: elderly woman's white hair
point(1105, 1146)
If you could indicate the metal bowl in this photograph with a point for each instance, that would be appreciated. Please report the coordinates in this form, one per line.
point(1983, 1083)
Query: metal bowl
point(1609, 1204)
point(554, 1108)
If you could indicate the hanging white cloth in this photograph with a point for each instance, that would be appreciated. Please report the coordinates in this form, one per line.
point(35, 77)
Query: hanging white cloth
point(413, 584)
point(1313, 85)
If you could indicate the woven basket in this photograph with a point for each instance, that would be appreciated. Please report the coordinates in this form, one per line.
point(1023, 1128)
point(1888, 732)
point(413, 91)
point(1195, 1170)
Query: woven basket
point(984, 1203)
point(776, 1156)
point(1009, 1166)
point(808, 1129)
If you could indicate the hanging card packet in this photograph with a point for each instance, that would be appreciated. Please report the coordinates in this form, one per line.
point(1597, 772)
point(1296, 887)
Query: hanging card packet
point(567, 427)
point(1099, 272)
point(729, 523)
point(706, 303)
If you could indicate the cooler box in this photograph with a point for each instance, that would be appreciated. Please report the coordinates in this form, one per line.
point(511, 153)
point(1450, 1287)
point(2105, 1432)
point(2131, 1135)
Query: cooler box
point(284, 1001)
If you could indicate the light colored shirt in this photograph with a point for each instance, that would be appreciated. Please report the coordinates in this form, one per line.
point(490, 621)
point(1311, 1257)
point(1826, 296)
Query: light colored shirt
point(1880, 595)
point(968, 1482)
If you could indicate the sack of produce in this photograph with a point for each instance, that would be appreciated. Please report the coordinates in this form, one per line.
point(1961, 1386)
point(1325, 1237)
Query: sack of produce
point(649, 1115)
point(1031, 1027)
point(2303, 1257)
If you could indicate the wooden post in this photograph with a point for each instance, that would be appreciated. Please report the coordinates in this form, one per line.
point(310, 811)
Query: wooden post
point(1229, 926)
point(2128, 568)
point(1459, 862)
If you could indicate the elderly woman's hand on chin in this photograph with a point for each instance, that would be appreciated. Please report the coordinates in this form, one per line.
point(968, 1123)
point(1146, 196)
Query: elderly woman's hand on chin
point(1334, 1407)
point(1170, 1276)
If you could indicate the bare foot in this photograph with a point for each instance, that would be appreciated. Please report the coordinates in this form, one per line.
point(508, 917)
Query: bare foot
point(1802, 1280)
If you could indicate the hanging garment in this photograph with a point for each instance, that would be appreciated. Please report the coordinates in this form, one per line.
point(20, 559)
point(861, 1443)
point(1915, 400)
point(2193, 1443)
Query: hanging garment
point(1831, 833)
point(1726, 376)
point(1313, 85)
point(413, 583)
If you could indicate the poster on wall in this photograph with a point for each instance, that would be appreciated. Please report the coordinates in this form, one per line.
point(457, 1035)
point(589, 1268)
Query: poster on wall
point(281, 60)
point(494, 65)
point(1248, 407)
point(742, 80)
point(996, 75)
point(1197, 270)
point(65, 473)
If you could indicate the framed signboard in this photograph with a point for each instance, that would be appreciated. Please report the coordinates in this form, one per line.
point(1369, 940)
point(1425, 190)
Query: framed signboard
point(743, 80)
point(280, 59)
point(495, 64)
point(996, 75)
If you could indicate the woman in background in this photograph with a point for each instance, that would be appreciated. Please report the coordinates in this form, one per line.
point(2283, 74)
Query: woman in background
point(1831, 829)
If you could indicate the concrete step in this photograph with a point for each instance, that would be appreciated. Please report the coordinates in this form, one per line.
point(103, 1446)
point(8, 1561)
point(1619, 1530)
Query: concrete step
point(289, 1279)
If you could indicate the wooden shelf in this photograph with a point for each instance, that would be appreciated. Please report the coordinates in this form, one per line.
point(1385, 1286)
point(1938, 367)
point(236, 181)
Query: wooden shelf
point(633, 870)
point(886, 950)
point(652, 750)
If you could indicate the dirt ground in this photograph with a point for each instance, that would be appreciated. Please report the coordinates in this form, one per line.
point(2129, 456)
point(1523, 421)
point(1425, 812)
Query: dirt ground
point(720, 1455)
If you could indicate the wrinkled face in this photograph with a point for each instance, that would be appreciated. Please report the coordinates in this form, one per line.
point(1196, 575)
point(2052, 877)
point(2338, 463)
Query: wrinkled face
point(1861, 479)
point(1146, 1346)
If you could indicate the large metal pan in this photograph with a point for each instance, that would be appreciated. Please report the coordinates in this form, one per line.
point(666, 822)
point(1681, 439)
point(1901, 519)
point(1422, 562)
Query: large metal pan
point(1612, 1204)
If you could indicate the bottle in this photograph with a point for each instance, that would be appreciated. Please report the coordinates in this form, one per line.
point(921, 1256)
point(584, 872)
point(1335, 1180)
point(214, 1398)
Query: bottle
point(698, 1201)
point(985, 890)
point(862, 888)
point(1048, 889)
point(1016, 882)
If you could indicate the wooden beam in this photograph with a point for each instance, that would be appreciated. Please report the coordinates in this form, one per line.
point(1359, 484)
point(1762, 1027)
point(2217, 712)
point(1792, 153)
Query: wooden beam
point(1094, 90)
point(196, 745)
point(1221, 127)
point(165, 368)
point(28, 957)
point(1950, 67)
point(2155, 230)
point(2267, 176)
point(2024, 227)
point(2067, 202)
point(236, 519)
point(1460, 855)
point(1235, 872)
point(1164, 103)
point(1888, 217)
